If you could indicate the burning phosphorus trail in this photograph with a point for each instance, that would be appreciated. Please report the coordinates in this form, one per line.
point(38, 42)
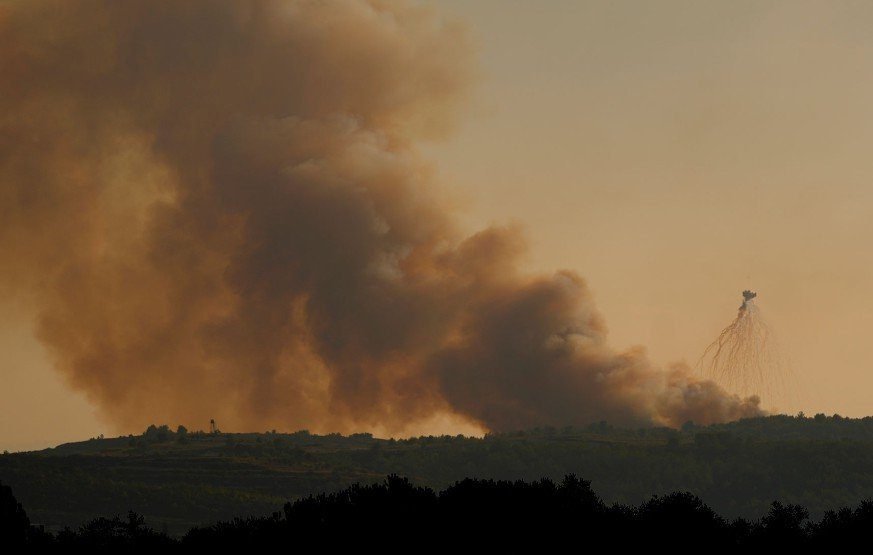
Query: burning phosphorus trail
point(744, 357)
point(217, 210)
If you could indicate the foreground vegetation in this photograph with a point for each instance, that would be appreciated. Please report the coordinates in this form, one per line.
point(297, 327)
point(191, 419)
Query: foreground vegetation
point(472, 514)
point(178, 480)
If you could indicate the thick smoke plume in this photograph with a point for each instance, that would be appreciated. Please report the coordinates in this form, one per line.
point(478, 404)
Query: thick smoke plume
point(216, 210)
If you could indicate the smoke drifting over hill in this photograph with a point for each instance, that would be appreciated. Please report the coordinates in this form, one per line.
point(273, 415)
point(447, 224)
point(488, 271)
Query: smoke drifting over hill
point(217, 210)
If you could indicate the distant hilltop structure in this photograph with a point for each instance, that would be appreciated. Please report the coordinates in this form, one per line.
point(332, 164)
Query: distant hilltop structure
point(213, 428)
point(747, 296)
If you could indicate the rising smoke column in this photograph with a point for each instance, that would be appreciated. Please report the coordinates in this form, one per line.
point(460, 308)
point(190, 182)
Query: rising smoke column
point(216, 210)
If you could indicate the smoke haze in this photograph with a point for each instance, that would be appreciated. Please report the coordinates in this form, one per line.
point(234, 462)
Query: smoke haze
point(216, 210)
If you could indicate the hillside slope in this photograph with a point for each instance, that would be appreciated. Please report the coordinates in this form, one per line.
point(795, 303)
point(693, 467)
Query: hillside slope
point(180, 480)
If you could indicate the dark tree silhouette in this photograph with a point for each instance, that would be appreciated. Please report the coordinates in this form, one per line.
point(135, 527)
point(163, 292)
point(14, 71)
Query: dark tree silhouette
point(472, 515)
point(112, 534)
point(14, 524)
point(782, 527)
point(844, 528)
point(681, 516)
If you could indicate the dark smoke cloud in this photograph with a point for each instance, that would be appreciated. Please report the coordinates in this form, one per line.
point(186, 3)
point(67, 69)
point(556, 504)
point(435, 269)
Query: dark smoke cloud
point(217, 211)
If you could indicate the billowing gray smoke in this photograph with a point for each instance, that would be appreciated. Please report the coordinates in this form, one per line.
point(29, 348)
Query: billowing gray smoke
point(216, 210)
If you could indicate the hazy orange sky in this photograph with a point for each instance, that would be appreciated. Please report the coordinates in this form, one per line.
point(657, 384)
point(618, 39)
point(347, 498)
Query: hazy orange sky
point(674, 154)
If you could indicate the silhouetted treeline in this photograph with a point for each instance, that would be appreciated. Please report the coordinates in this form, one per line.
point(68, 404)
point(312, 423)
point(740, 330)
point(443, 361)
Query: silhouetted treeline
point(179, 478)
point(396, 515)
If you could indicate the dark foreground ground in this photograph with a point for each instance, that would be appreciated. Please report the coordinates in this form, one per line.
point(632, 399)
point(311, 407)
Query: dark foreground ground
point(178, 481)
point(470, 516)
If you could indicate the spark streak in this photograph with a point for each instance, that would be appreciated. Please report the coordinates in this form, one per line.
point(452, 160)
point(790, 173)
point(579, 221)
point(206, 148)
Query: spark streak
point(744, 358)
